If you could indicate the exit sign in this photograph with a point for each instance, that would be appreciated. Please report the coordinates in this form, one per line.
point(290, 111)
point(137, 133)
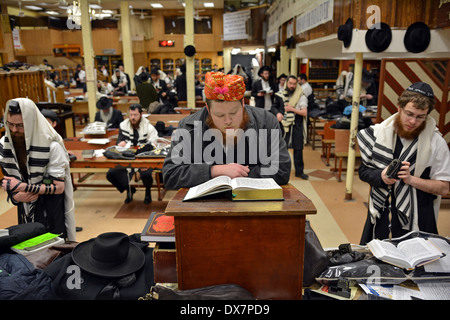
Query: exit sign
point(166, 43)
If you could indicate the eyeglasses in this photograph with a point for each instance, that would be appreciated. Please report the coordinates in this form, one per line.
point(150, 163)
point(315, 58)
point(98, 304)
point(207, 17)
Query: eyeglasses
point(411, 115)
point(18, 126)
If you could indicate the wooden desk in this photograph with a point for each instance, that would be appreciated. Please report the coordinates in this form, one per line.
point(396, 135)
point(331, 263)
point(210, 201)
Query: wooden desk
point(168, 119)
point(103, 164)
point(256, 244)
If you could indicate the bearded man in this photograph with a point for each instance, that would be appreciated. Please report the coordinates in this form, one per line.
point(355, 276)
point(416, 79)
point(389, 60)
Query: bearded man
point(106, 113)
point(226, 138)
point(291, 107)
point(412, 137)
point(35, 164)
point(134, 131)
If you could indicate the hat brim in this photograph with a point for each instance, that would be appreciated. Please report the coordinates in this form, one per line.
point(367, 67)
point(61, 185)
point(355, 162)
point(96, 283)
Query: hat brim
point(370, 42)
point(345, 32)
point(413, 46)
point(102, 106)
point(134, 261)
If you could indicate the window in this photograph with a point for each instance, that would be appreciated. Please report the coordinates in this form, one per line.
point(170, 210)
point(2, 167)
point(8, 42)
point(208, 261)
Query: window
point(175, 25)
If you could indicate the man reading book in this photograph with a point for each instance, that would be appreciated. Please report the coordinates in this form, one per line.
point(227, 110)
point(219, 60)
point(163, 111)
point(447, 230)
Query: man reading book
point(415, 192)
point(226, 138)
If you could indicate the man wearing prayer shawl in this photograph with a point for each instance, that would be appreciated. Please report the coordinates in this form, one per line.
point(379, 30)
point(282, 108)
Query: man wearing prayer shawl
point(411, 136)
point(35, 164)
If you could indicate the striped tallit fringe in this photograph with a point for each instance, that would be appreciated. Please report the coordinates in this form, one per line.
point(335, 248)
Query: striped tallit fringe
point(378, 156)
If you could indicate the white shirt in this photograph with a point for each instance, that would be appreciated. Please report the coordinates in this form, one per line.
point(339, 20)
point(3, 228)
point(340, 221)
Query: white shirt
point(267, 99)
point(307, 89)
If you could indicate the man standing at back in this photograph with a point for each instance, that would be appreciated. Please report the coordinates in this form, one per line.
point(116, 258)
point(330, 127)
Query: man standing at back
point(134, 131)
point(415, 192)
point(263, 90)
point(292, 111)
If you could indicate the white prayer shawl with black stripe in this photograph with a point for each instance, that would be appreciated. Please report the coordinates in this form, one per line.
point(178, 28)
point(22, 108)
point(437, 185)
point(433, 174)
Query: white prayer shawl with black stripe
point(146, 131)
point(377, 145)
point(39, 135)
point(293, 100)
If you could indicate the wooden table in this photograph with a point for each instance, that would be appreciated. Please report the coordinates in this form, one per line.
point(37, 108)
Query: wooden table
point(103, 164)
point(256, 244)
point(169, 119)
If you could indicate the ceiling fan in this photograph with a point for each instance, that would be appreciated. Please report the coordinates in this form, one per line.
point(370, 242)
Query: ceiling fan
point(197, 15)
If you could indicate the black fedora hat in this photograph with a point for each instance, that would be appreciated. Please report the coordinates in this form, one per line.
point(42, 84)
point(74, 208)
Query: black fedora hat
point(262, 69)
point(379, 37)
point(345, 32)
point(104, 103)
point(417, 37)
point(189, 50)
point(110, 255)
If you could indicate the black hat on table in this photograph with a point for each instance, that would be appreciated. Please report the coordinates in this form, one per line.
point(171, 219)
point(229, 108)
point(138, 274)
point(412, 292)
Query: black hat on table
point(345, 32)
point(417, 37)
point(104, 103)
point(379, 37)
point(110, 255)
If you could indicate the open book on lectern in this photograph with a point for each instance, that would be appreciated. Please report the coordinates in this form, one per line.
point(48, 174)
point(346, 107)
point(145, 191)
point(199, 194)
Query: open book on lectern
point(241, 189)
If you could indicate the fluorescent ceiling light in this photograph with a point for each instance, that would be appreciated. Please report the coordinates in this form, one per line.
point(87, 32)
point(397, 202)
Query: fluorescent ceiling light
point(95, 6)
point(156, 5)
point(33, 8)
point(52, 12)
point(208, 4)
point(107, 11)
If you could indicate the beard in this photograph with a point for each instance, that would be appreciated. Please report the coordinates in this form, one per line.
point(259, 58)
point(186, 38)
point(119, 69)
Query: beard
point(135, 125)
point(403, 133)
point(243, 125)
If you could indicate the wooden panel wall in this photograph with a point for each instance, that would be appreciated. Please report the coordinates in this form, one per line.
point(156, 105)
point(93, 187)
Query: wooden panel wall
point(398, 74)
point(21, 84)
point(396, 13)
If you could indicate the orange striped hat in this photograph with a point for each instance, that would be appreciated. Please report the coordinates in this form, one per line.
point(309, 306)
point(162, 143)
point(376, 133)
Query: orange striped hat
point(227, 87)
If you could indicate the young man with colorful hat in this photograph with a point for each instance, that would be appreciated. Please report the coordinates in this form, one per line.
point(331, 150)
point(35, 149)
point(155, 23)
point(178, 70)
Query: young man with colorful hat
point(226, 138)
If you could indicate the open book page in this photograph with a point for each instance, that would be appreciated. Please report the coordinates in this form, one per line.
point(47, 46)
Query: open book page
point(418, 250)
point(218, 184)
point(441, 265)
point(383, 249)
point(253, 183)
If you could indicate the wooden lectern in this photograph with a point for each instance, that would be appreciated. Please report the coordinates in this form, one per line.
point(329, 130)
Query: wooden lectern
point(256, 244)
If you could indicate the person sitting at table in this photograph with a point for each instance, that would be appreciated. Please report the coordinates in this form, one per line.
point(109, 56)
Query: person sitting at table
point(136, 131)
point(119, 82)
point(188, 164)
point(112, 117)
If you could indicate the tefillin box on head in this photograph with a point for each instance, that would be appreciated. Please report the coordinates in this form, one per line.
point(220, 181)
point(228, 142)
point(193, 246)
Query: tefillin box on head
point(14, 107)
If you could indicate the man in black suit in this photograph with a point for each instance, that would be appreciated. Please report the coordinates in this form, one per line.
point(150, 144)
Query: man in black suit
point(160, 86)
point(107, 113)
point(263, 90)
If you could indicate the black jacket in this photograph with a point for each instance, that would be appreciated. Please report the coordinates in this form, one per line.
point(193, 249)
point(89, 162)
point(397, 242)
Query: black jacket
point(257, 87)
point(115, 120)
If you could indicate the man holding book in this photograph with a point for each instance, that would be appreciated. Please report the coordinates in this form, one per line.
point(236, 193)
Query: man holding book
point(410, 136)
point(226, 138)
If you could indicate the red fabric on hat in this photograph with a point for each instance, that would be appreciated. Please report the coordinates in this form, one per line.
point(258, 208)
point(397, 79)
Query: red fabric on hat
point(227, 87)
